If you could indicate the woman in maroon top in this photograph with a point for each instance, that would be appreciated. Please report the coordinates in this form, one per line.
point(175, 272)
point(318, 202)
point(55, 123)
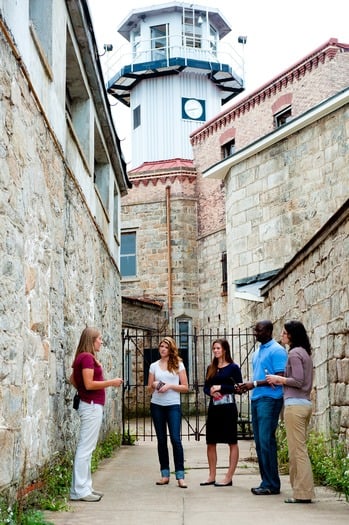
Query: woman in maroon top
point(87, 377)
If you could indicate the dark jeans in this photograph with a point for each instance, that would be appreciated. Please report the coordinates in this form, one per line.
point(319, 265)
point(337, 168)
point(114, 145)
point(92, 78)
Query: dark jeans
point(163, 417)
point(265, 418)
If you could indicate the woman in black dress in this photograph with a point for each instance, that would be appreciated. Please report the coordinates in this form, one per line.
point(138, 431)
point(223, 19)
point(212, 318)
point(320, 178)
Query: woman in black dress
point(221, 424)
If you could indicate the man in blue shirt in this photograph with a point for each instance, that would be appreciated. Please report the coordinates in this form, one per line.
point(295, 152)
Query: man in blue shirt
point(266, 404)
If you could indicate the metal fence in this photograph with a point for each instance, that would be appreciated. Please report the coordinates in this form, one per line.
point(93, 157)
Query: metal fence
point(140, 349)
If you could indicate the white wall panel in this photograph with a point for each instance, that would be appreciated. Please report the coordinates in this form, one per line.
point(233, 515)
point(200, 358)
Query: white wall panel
point(163, 133)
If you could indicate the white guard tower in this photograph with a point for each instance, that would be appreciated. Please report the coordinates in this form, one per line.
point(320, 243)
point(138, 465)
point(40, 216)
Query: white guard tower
point(175, 76)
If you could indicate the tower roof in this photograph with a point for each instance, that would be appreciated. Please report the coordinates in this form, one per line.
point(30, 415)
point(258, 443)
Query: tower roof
point(133, 18)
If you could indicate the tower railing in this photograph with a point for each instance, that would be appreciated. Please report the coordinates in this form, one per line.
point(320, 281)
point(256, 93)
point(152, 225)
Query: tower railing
point(149, 51)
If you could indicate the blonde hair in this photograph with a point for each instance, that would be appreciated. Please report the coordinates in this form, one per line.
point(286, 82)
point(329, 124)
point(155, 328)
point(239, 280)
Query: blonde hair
point(87, 340)
point(173, 359)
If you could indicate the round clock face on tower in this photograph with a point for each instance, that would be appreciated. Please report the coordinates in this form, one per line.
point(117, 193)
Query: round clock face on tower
point(193, 109)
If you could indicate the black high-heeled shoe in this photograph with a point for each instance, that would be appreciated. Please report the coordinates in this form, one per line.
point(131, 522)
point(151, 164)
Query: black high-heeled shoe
point(229, 484)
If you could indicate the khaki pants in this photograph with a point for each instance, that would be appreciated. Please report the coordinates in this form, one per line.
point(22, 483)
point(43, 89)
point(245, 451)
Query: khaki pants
point(297, 419)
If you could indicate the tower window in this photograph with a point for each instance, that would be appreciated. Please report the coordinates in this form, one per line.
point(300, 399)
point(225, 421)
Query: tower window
point(192, 28)
point(137, 117)
point(213, 40)
point(159, 45)
point(136, 40)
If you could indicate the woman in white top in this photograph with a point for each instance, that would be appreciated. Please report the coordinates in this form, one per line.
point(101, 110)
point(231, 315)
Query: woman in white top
point(167, 381)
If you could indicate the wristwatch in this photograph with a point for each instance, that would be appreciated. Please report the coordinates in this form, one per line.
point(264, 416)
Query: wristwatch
point(254, 384)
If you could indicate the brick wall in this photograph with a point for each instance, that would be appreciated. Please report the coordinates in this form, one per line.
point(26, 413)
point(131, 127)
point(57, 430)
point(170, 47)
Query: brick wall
point(305, 85)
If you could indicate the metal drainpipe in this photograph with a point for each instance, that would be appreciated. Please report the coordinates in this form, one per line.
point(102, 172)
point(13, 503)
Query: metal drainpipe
point(169, 255)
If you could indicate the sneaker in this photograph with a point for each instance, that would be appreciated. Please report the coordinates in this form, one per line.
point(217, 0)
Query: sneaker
point(101, 494)
point(91, 497)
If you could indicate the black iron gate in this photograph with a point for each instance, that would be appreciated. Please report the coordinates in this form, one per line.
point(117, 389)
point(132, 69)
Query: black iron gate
point(140, 349)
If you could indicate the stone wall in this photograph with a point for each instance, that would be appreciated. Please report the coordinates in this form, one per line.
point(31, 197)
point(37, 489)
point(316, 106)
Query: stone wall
point(314, 289)
point(57, 276)
point(145, 212)
point(213, 300)
point(143, 314)
point(275, 200)
point(278, 198)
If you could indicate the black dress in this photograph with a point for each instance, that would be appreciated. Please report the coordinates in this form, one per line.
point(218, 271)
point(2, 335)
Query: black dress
point(221, 423)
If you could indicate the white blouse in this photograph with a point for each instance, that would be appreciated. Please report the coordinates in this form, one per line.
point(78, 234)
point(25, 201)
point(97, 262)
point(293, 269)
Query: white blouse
point(171, 397)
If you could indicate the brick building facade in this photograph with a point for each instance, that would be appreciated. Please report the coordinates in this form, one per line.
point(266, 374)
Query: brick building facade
point(248, 126)
point(285, 181)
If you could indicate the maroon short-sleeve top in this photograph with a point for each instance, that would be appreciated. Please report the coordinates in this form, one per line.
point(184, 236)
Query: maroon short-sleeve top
point(86, 360)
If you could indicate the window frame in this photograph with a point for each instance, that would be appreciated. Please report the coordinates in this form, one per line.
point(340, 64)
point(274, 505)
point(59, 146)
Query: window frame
point(116, 211)
point(228, 148)
point(41, 30)
point(101, 171)
point(187, 350)
point(191, 29)
point(131, 254)
point(159, 41)
point(136, 114)
point(282, 117)
point(78, 101)
point(224, 265)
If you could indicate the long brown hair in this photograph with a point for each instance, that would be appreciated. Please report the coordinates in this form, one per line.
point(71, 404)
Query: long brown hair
point(173, 358)
point(213, 367)
point(87, 340)
point(297, 335)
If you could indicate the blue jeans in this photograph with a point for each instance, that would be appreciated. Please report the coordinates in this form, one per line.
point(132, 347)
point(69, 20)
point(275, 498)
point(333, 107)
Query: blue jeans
point(163, 417)
point(265, 418)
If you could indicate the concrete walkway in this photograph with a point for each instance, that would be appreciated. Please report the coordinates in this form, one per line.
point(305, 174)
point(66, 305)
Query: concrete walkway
point(131, 496)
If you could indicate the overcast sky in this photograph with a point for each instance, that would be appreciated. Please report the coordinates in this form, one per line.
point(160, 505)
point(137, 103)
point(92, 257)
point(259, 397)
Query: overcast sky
point(278, 34)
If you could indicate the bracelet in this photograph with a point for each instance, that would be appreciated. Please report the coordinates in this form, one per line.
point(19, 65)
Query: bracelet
point(254, 384)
